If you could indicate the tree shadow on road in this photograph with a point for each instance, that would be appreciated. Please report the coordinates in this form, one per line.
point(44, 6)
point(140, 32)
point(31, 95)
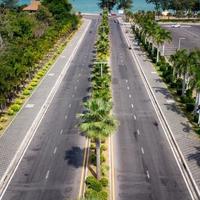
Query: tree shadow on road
point(162, 91)
point(186, 127)
point(195, 156)
point(74, 156)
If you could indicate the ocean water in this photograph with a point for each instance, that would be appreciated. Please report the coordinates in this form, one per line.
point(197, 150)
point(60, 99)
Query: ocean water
point(92, 7)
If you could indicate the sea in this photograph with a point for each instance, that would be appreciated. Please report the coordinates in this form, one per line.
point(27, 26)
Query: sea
point(90, 6)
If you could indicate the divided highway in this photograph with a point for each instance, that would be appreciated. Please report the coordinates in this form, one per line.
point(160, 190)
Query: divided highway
point(52, 165)
point(144, 165)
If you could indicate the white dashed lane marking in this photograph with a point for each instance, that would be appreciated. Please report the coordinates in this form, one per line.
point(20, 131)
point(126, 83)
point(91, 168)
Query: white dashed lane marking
point(142, 150)
point(55, 150)
point(47, 175)
point(132, 105)
point(135, 117)
point(61, 132)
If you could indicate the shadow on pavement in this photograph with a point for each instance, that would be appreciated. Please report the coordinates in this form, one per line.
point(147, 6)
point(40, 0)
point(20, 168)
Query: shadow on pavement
point(186, 127)
point(74, 156)
point(195, 156)
point(162, 91)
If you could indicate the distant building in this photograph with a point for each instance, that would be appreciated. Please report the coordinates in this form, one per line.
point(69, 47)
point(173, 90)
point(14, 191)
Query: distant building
point(33, 7)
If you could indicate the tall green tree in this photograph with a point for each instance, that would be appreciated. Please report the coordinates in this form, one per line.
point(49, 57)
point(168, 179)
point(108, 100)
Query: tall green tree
point(125, 4)
point(98, 124)
point(109, 4)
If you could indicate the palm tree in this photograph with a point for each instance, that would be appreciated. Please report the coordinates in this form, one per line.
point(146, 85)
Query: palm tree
point(97, 123)
point(161, 35)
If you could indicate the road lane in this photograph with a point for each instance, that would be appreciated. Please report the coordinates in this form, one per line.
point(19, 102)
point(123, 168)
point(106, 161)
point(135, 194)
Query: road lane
point(145, 168)
point(51, 167)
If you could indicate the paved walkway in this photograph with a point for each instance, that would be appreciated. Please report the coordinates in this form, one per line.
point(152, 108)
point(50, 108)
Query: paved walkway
point(16, 138)
point(188, 141)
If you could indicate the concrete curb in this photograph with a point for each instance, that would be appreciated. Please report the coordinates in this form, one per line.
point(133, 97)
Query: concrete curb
point(7, 177)
point(189, 180)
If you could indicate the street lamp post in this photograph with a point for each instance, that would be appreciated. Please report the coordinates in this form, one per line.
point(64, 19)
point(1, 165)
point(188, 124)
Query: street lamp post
point(101, 63)
point(179, 42)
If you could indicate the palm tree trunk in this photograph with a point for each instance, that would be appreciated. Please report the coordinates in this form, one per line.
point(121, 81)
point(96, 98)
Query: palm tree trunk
point(183, 85)
point(98, 158)
point(157, 59)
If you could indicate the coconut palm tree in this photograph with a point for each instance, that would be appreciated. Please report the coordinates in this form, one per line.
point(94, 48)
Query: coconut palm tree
point(97, 123)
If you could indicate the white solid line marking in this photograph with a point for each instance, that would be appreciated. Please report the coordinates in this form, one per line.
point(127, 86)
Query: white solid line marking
point(61, 132)
point(148, 176)
point(135, 117)
point(142, 150)
point(55, 150)
point(130, 96)
point(132, 105)
point(138, 132)
point(65, 116)
point(128, 87)
point(47, 175)
point(70, 105)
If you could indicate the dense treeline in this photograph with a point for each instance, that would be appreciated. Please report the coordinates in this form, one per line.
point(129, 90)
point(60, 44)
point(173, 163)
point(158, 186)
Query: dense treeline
point(176, 5)
point(181, 71)
point(25, 38)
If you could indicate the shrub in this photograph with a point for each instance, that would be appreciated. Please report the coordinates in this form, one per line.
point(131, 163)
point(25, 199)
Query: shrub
point(3, 119)
point(29, 87)
point(19, 101)
point(1, 127)
point(92, 146)
point(104, 182)
point(91, 194)
point(103, 159)
point(34, 83)
point(189, 107)
point(40, 73)
point(15, 107)
point(10, 112)
point(93, 183)
point(22, 97)
point(103, 195)
point(92, 158)
point(26, 92)
point(103, 148)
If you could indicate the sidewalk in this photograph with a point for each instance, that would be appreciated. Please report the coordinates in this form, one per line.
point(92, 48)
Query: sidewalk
point(187, 140)
point(17, 136)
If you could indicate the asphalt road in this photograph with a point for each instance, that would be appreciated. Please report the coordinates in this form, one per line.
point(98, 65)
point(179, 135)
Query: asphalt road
point(144, 166)
point(190, 33)
point(51, 167)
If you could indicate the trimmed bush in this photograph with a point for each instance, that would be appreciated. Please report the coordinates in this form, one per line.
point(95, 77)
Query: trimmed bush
point(103, 148)
point(22, 97)
point(103, 195)
point(26, 92)
point(104, 182)
point(3, 119)
point(30, 88)
point(10, 112)
point(19, 101)
point(34, 83)
point(1, 127)
point(40, 73)
point(93, 183)
point(91, 194)
point(92, 158)
point(15, 107)
point(92, 146)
